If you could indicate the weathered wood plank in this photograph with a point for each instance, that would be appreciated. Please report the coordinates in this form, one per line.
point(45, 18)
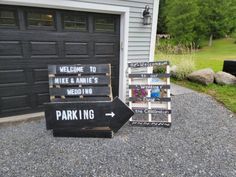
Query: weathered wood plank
point(77, 99)
point(149, 99)
point(87, 133)
point(79, 69)
point(148, 64)
point(151, 111)
point(151, 124)
point(149, 86)
point(80, 80)
point(149, 75)
point(80, 91)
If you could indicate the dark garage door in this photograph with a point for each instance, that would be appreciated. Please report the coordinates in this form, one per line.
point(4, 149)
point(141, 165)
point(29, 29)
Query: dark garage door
point(32, 38)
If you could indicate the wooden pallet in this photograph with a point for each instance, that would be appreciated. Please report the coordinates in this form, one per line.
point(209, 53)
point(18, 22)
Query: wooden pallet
point(80, 86)
point(149, 108)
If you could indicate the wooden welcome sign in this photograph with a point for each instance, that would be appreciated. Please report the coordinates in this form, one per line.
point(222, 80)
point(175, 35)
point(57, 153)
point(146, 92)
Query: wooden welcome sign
point(80, 82)
point(149, 94)
point(81, 102)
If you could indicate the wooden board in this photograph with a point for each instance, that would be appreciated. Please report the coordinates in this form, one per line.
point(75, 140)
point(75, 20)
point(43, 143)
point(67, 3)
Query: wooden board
point(148, 64)
point(79, 69)
point(85, 133)
point(149, 86)
point(149, 75)
point(80, 115)
point(84, 99)
point(80, 91)
point(149, 99)
point(150, 111)
point(80, 80)
point(151, 124)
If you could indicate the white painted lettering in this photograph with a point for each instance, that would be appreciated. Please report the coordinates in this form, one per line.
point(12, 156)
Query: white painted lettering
point(91, 114)
point(58, 114)
point(71, 69)
point(74, 112)
point(75, 115)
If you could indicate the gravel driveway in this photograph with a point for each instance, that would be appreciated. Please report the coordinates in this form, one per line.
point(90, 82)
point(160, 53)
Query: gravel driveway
point(201, 143)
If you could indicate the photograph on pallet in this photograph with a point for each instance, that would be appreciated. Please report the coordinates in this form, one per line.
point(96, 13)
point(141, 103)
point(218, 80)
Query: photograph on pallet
point(149, 93)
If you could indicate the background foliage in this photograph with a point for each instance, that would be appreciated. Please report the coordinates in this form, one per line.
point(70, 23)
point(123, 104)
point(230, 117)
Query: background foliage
point(189, 22)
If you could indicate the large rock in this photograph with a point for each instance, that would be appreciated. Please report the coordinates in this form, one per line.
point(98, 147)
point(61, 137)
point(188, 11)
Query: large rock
point(224, 78)
point(203, 76)
point(173, 70)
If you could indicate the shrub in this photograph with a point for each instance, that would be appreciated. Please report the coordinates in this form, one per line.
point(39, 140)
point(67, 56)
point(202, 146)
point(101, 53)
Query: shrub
point(159, 69)
point(184, 68)
point(168, 47)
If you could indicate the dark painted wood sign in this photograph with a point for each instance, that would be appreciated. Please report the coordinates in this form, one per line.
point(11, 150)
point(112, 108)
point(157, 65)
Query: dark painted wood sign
point(80, 80)
point(87, 115)
point(149, 86)
point(78, 91)
point(149, 99)
point(148, 64)
point(151, 111)
point(149, 75)
point(150, 124)
point(81, 102)
point(79, 69)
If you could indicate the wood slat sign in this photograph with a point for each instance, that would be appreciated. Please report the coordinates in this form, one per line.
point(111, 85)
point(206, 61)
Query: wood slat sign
point(147, 64)
point(81, 102)
point(79, 69)
point(149, 94)
point(111, 114)
point(82, 80)
point(83, 91)
point(71, 81)
point(149, 75)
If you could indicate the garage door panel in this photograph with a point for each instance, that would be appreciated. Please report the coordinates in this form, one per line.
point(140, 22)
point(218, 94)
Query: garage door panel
point(40, 88)
point(14, 76)
point(76, 49)
point(40, 75)
point(41, 99)
point(10, 49)
point(13, 90)
point(47, 49)
point(105, 49)
point(15, 103)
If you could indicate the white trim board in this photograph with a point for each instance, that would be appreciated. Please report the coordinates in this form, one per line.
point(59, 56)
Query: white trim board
point(154, 30)
point(91, 7)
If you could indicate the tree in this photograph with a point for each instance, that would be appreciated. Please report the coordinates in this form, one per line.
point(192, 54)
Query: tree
point(181, 20)
point(218, 17)
point(161, 26)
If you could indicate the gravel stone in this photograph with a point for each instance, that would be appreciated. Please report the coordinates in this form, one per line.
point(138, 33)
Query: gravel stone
point(200, 143)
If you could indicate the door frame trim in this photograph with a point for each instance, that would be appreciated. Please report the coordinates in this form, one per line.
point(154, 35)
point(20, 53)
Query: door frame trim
point(91, 7)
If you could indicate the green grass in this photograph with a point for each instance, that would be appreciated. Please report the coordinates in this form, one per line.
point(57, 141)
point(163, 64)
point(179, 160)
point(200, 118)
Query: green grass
point(209, 57)
point(206, 57)
point(224, 94)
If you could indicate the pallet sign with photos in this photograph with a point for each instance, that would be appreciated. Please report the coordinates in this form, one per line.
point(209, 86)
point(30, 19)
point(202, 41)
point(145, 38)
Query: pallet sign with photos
point(149, 93)
point(82, 104)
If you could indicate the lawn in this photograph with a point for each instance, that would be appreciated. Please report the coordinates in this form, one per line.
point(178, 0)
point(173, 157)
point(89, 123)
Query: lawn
point(223, 94)
point(209, 57)
point(212, 57)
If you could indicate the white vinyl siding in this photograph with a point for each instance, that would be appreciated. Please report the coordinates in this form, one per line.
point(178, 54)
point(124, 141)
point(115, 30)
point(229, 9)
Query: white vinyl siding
point(139, 35)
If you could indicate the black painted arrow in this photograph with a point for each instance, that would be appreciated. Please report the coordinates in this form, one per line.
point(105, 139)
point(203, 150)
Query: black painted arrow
point(87, 114)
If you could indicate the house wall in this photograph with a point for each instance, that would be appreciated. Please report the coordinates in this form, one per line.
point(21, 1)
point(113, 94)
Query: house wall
point(139, 41)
